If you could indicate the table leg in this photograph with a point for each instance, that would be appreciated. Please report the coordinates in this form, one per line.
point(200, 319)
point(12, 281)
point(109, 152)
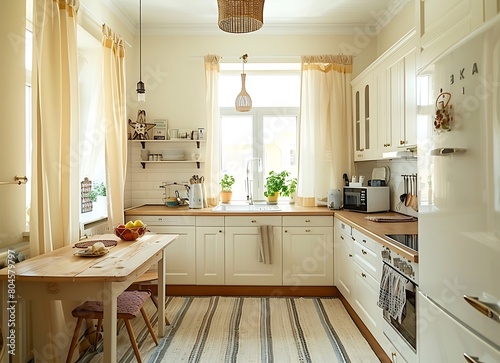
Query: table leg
point(161, 295)
point(109, 323)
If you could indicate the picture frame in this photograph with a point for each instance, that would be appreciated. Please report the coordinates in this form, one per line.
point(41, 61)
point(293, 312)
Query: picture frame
point(160, 129)
point(201, 133)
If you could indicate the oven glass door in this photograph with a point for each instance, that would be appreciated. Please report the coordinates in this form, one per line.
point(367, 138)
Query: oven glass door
point(407, 329)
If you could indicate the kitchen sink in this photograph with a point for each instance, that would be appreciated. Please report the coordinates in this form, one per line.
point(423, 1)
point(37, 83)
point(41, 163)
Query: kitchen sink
point(246, 208)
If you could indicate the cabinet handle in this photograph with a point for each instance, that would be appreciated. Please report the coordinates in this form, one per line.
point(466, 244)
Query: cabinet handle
point(342, 237)
point(254, 221)
point(363, 274)
point(470, 359)
point(354, 239)
point(220, 230)
point(483, 308)
point(308, 230)
point(362, 149)
point(308, 221)
point(286, 230)
point(394, 357)
point(350, 254)
point(364, 240)
point(363, 252)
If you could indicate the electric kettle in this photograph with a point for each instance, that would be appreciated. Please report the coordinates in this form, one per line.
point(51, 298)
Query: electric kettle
point(333, 199)
point(195, 196)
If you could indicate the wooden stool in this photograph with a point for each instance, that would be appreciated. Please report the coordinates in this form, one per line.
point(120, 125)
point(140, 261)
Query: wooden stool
point(149, 276)
point(129, 304)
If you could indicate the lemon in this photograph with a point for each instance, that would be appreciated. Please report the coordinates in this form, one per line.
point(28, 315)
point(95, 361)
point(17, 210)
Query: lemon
point(138, 223)
point(130, 224)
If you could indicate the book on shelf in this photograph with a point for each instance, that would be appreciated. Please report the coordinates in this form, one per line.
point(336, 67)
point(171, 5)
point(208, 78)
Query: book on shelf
point(160, 129)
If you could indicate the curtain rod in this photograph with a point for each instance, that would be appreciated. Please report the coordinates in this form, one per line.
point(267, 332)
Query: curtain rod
point(98, 21)
point(261, 56)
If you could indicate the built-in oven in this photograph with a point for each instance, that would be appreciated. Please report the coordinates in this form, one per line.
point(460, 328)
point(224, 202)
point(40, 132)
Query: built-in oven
point(402, 329)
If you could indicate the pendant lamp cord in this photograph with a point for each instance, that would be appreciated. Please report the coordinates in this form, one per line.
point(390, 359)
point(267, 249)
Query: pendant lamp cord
point(140, 40)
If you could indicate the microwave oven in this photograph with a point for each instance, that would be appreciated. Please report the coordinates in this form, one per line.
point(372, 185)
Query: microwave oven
point(367, 199)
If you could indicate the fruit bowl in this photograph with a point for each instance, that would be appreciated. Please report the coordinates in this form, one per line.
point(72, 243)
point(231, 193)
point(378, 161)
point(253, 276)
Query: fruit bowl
point(130, 234)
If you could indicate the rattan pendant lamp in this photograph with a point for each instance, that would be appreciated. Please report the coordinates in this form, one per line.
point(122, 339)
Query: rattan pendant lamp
point(240, 16)
point(243, 102)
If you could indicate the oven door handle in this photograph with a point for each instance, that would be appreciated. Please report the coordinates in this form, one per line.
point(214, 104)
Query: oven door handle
point(483, 308)
point(470, 359)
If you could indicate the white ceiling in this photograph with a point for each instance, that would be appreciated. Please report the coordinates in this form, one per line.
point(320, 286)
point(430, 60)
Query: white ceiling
point(280, 16)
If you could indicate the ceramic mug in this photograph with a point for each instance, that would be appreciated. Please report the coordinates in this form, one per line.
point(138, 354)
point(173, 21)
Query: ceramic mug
point(173, 133)
point(144, 154)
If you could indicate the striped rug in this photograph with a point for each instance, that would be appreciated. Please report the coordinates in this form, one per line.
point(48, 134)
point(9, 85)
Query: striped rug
point(248, 329)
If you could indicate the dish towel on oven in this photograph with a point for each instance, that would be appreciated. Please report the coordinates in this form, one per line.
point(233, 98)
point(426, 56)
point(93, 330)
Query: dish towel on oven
point(392, 295)
point(266, 243)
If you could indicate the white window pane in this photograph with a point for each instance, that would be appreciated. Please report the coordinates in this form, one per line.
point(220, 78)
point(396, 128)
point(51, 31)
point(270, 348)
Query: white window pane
point(280, 144)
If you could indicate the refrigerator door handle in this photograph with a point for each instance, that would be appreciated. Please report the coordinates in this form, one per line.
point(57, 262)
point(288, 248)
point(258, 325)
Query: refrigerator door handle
point(482, 307)
point(470, 359)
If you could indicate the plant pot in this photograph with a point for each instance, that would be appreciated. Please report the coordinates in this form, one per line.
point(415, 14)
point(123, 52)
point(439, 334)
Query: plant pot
point(225, 197)
point(273, 199)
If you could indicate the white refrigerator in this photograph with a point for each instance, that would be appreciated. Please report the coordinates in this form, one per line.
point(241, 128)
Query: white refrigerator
point(458, 130)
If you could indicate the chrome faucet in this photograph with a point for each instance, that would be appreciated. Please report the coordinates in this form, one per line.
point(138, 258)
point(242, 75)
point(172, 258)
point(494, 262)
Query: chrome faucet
point(250, 178)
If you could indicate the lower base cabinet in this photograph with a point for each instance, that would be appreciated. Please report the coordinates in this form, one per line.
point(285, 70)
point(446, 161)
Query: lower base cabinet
point(210, 269)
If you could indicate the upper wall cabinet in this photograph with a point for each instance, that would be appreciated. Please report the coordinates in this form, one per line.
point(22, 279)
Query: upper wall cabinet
point(364, 117)
point(386, 121)
point(442, 23)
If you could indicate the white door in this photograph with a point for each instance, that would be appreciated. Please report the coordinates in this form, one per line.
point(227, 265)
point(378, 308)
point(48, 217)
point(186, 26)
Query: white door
point(181, 267)
point(308, 256)
point(209, 255)
point(443, 339)
point(242, 258)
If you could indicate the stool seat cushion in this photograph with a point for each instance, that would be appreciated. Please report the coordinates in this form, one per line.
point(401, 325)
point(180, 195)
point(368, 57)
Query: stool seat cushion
point(129, 305)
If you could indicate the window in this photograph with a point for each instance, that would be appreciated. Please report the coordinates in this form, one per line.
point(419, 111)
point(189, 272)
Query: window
point(264, 139)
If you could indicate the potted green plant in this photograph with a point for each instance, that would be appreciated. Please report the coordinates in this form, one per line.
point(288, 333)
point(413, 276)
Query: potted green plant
point(275, 184)
point(226, 184)
point(291, 188)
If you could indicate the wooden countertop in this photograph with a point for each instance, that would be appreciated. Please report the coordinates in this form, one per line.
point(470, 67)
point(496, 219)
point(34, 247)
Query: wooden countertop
point(286, 210)
point(377, 230)
point(374, 230)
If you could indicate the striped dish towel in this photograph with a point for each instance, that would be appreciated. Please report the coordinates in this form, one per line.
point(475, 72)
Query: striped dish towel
point(266, 243)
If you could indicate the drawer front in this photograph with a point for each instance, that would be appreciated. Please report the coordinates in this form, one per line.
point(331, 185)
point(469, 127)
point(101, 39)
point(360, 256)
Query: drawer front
point(252, 221)
point(365, 241)
point(369, 260)
point(343, 227)
point(320, 221)
point(203, 221)
point(167, 220)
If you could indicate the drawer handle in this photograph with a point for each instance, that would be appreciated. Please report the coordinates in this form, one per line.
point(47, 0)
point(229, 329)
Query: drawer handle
point(354, 239)
point(350, 254)
point(308, 230)
point(220, 230)
point(363, 274)
point(308, 221)
point(363, 252)
point(482, 308)
point(470, 359)
point(342, 237)
point(254, 221)
point(364, 240)
point(286, 230)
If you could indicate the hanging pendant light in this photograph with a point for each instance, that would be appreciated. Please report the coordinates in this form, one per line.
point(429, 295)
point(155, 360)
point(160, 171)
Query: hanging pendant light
point(141, 90)
point(240, 16)
point(243, 102)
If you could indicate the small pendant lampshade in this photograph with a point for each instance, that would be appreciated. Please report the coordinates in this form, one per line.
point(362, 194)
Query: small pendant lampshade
point(240, 16)
point(243, 102)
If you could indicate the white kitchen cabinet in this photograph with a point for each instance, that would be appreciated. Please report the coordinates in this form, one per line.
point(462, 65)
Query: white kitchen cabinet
point(441, 338)
point(364, 117)
point(210, 251)
point(344, 268)
point(308, 251)
point(180, 264)
point(242, 240)
point(442, 23)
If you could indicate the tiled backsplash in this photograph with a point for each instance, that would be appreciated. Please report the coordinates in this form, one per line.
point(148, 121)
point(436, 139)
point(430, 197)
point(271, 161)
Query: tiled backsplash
point(398, 167)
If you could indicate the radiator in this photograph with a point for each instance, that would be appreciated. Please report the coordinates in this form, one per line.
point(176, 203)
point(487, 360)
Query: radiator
point(95, 227)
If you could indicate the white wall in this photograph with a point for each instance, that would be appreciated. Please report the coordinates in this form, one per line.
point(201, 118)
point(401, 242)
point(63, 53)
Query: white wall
point(400, 25)
point(12, 94)
point(173, 72)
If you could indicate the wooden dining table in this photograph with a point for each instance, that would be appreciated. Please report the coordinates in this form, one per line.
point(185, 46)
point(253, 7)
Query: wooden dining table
point(64, 274)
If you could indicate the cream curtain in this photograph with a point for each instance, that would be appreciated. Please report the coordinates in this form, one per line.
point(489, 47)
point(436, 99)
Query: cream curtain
point(325, 130)
point(212, 164)
point(54, 213)
point(115, 119)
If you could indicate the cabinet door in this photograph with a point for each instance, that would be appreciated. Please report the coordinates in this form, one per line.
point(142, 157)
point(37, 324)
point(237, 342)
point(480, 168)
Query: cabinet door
point(344, 269)
point(364, 118)
point(308, 256)
point(397, 96)
point(384, 124)
point(181, 267)
point(209, 256)
point(410, 125)
point(365, 300)
point(242, 257)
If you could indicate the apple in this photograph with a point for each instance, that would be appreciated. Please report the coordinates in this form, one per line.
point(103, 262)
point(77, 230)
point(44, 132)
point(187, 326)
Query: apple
point(138, 223)
point(129, 224)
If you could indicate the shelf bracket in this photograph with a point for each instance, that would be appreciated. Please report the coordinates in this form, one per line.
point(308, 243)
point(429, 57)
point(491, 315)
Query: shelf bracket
point(197, 144)
point(143, 143)
point(143, 165)
point(198, 164)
